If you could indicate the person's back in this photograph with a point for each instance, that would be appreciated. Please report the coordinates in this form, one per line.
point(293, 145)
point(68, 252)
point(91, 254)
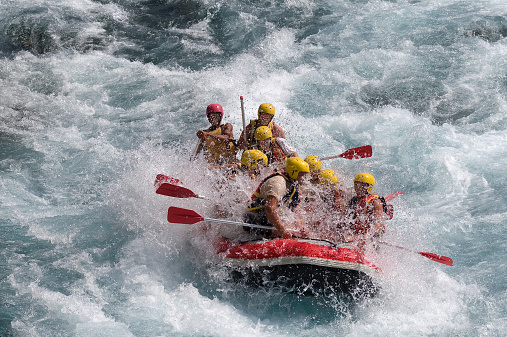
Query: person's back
point(277, 190)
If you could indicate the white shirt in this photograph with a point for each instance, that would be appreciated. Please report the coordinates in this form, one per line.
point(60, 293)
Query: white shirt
point(285, 146)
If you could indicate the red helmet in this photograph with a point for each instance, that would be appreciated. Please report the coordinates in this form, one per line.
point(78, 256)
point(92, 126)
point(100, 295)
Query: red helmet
point(215, 108)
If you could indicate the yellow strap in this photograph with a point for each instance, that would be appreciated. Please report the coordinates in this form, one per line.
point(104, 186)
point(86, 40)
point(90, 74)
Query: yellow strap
point(288, 200)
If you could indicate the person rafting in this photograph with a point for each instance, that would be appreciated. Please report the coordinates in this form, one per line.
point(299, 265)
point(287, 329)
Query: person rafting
point(265, 115)
point(217, 142)
point(331, 194)
point(315, 167)
point(318, 178)
point(252, 162)
point(367, 209)
point(322, 207)
point(276, 191)
point(227, 177)
point(276, 149)
point(319, 199)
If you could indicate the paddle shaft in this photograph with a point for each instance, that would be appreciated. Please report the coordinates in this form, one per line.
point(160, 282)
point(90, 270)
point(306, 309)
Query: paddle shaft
point(244, 224)
point(190, 217)
point(432, 256)
point(243, 116)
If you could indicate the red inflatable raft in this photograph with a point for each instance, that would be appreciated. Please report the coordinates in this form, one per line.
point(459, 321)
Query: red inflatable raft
point(301, 265)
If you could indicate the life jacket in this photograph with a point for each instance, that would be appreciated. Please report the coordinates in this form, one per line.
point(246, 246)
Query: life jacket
point(362, 207)
point(290, 199)
point(253, 125)
point(277, 155)
point(218, 152)
point(337, 201)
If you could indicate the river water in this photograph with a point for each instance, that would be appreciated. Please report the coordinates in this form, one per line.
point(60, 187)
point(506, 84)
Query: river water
point(98, 97)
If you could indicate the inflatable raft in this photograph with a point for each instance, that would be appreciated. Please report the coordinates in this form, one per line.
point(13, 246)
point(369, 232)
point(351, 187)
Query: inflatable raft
point(301, 265)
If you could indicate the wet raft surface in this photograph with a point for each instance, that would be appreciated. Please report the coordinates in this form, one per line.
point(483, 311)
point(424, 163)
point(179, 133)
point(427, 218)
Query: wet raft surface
point(303, 266)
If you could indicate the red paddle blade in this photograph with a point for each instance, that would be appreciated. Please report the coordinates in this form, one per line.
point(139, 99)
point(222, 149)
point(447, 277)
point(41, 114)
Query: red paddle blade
point(175, 191)
point(393, 195)
point(438, 258)
point(162, 178)
point(389, 212)
point(183, 216)
point(357, 152)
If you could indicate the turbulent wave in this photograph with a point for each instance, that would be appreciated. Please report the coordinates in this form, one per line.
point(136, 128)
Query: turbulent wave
point(98, 97)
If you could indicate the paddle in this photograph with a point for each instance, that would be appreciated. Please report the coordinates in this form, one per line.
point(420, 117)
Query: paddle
point(172, 190)
point(243, 116)
point(355, 153)
point(162, 178)
point(390, 208)
point(393, 195)
point(189, 217)
point(434, 257)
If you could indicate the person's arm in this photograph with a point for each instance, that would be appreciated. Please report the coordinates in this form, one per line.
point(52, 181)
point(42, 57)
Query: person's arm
point(273, 218)
point(378, 216)
point(288, 150)
point(228, 131)
point(222, 138)
point(278, 131)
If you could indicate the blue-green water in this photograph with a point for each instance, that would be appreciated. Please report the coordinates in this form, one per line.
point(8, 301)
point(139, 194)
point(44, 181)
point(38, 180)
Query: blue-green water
point(98, 97)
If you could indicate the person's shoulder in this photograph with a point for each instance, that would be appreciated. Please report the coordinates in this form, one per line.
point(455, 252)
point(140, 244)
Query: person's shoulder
point(284, 144)
point(275, 186)
point(275, 179)
point(278, 131)
point(276, 126)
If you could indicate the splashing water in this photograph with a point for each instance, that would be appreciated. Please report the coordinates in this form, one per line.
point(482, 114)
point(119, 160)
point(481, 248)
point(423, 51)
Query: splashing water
point(98, 97)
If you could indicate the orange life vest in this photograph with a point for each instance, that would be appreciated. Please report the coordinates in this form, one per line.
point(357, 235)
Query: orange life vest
point(277, 155)
point(363, 212)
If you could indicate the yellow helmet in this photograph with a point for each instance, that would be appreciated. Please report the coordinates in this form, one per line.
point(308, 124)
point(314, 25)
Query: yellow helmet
point(366, 178)
point(266, 108)
point(250, 158)
point(263, 132)
point(294, 165)
point(328, 177)
point(314, 162)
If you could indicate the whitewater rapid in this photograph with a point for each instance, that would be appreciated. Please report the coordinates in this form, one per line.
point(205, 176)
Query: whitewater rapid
point(98, 97)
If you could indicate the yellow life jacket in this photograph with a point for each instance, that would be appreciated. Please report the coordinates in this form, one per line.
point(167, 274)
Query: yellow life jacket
point(218, 152)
